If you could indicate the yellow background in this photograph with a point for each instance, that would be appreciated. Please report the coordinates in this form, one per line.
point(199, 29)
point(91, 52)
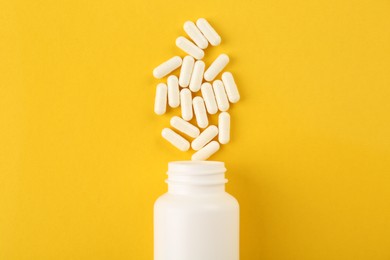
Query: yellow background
point(82, 160)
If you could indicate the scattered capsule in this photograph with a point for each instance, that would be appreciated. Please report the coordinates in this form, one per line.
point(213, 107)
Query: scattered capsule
point(230, 87)
point(206, 136)
point(215, 96)
point(175, 139)
point(189, 47)
point(197, 76)
point(216, 67)
point(200, 112)
point(184, 127)
point(208, 31)
point(220, 95)
point(160, 102)
point(224, 128)
point(186, 104)
point(186, 71)
point(209, 98)
point(195, 35)
point(206, 152)
point(167, 67)
point(173, 91)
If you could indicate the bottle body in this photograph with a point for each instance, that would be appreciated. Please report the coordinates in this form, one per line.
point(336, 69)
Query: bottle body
point(196, 219)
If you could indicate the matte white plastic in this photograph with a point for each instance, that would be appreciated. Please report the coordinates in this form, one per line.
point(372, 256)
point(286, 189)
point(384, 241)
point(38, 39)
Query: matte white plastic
point(189, 47)
point(186, 104)
point(200, 112)
point(208, 31)
point(209, 98)
point(184, 127)
point(173, 91)
point(175, 139)
point(220, 95)
point(204, 153)
point(230, 87)
point(196, 219)
point(186, 71)
point(206, 136)
point(195, 35)
point(167, 67)
point(197, 76)
point(216, 67)
point(224, 128)
point(160, 101)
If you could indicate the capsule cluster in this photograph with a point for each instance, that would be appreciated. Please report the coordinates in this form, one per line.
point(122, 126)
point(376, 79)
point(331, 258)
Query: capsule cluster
point(215, 94)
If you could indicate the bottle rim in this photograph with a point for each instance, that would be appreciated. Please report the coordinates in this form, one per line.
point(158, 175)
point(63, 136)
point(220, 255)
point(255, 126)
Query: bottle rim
point(198, 173)
point(196, 167)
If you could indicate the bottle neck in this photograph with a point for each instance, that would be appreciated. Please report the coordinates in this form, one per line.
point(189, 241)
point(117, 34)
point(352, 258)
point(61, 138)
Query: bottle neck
point(188, 189)
point(196, 178)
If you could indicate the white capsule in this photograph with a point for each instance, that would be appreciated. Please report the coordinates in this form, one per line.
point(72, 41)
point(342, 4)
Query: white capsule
point(173, 91)
point(220, 95)
point(216, 67)
point(224, 128)
point(230, 87)
point(187, 46)
point(208, 31)
point(209, 98)
point(167, 67)
point(195, 35)
point(186, 104)
point(200, 112)
point(175, 139)
point(186, 71)
point(160, 101)
point(206, 136)
point(197, 76)
point(206, 152)
point(184, 127)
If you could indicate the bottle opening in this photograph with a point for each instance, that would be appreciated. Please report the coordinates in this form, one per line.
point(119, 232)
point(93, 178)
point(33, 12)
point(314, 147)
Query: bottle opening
point(196, 173)
point(196, 167)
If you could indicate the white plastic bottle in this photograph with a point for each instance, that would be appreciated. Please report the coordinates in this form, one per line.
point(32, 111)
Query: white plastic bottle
point(196, 219)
